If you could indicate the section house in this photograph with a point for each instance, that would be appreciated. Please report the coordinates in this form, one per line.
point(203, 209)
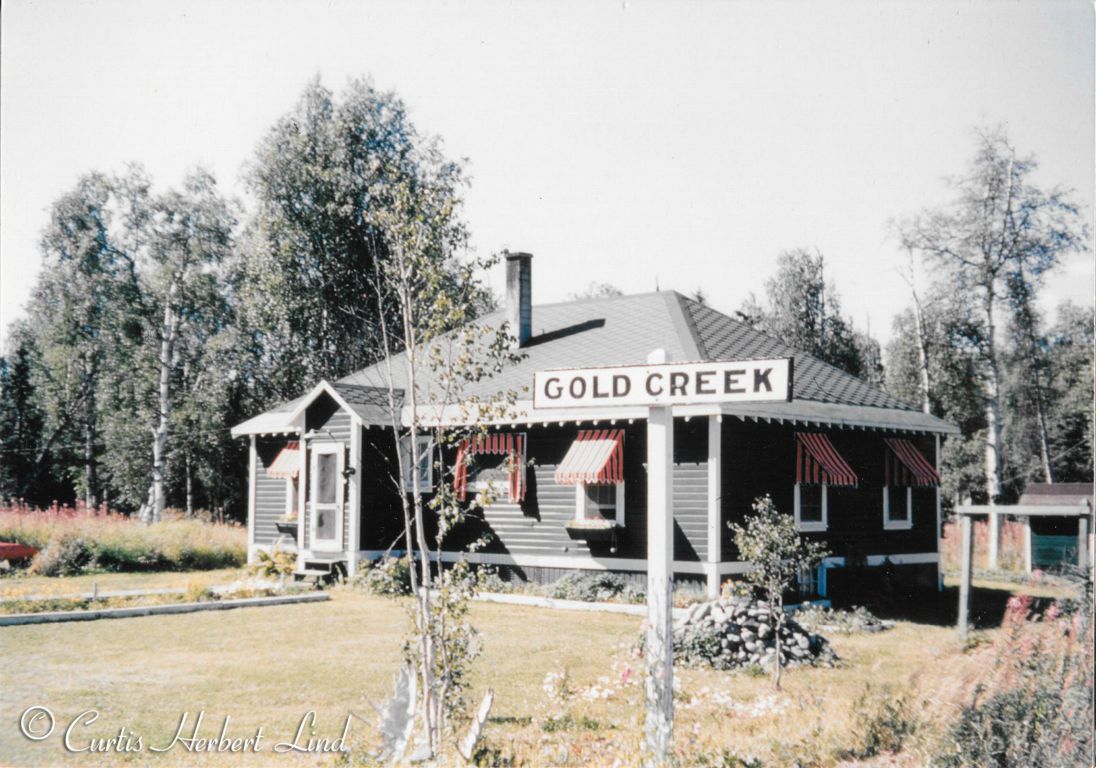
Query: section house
point(854, 465)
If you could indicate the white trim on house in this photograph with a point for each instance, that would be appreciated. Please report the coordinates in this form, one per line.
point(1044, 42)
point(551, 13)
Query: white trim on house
point(634, 564)
point(795, 413)
point(581, 501)
point(426, 451)
point(353, 537)
point(334, 448)
point(897, 524)
point(915, 558)
point(813, 526)
point(325, 386)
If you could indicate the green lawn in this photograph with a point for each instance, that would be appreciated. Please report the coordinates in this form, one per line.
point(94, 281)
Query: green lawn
point(21, 585)
point(270, 666)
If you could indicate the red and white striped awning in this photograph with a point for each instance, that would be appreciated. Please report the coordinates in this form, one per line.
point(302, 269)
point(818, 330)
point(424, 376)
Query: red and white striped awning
point(817, 462)
point(287, 463)
point(904, 465)
point(497, 443)
point(596, 456)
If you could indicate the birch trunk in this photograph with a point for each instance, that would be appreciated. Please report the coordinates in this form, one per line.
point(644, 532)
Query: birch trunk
point(922, 353)
point(168, 328)
point(189, 488)
point(993, 407)
point(90, 479)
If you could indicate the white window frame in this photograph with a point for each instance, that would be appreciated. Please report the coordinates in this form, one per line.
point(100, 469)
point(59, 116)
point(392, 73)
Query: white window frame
point(897, 525)
point(292, 497)
point(335, 544)
point(580, 501)
point(426, 448)
point(813, 526)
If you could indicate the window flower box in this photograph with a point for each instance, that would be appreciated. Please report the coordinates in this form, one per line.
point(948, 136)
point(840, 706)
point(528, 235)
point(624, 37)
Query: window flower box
point(594, 531)
point(287, 527)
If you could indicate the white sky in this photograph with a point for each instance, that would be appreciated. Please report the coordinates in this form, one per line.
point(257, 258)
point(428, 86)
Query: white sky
point(683, 143)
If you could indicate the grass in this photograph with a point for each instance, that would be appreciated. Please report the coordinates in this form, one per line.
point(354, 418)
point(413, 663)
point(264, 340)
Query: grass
point(19, 584)
point(270, 666)
point(73, 540)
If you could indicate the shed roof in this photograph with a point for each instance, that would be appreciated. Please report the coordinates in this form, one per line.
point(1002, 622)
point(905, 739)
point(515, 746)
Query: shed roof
point(1057, 494)
point(623, 330)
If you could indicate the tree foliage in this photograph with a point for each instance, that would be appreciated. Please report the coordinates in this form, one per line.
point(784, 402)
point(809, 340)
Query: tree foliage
point(990, 248)
point(804, 311)
point(777, 554)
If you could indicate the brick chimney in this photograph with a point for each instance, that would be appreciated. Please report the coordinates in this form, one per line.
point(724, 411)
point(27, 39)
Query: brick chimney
point(519, 296)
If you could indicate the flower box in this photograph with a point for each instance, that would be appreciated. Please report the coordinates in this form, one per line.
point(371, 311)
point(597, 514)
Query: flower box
point(592, 531)
point(287, 527)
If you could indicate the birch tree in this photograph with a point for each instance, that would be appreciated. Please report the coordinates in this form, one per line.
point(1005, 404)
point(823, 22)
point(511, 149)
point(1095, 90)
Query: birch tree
point(310, 250)
point(427, 299)
point(999, 226)
point(189, 236)
point(76, 317)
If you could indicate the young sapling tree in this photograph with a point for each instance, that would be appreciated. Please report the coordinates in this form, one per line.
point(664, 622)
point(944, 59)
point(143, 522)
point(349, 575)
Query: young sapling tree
point(777, 554)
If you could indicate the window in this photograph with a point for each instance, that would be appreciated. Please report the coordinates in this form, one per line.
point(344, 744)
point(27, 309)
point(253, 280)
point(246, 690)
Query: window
point(326, 477)
point(600, 500)
point(490, 471)
point(292, 497)
point(811, 512)
point(426, 463)
point(897, 507)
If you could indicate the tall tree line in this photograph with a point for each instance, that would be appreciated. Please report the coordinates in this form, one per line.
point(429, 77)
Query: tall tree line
point(974, 346)
point(163, 317)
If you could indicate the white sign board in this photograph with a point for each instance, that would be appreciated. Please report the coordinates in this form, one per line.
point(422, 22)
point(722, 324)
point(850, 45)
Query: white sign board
point(665, 384)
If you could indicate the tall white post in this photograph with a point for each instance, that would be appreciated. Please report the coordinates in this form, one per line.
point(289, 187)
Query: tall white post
point(252, 458)
point(1082, 542)
point(939, 525)
point(715, 494)
point(660, 551)
point(1027, 545)
point(964, 575)
point(994, 539)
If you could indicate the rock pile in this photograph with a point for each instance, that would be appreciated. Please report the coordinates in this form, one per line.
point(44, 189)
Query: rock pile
point(734, 633)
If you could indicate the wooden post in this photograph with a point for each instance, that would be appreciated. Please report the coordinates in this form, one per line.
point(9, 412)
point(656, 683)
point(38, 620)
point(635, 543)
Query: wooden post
point(715, 493)
point(964, 577)
point(994, 539)
point(660, 548)
point(1082, 542)
point(1027, 544)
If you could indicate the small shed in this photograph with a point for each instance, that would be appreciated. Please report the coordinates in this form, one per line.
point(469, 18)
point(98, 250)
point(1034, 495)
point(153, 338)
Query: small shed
point(1057, 520)
point(1056, 539)
point(1062, 511)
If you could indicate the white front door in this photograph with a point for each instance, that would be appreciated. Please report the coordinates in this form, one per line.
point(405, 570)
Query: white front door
point(325, 525)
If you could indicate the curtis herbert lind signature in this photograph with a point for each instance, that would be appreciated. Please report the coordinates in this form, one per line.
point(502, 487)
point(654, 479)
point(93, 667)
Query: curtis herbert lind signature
point(38, 723)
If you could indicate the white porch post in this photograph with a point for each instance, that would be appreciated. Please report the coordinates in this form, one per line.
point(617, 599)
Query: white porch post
point(715, 495)
point(353, 536)
point(994, 538)
point(939, 523)
point(660, 543)
point(252, 458)
point(302, 497)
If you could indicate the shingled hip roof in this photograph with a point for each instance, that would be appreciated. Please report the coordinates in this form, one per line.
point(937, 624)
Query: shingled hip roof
point(623, 330)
